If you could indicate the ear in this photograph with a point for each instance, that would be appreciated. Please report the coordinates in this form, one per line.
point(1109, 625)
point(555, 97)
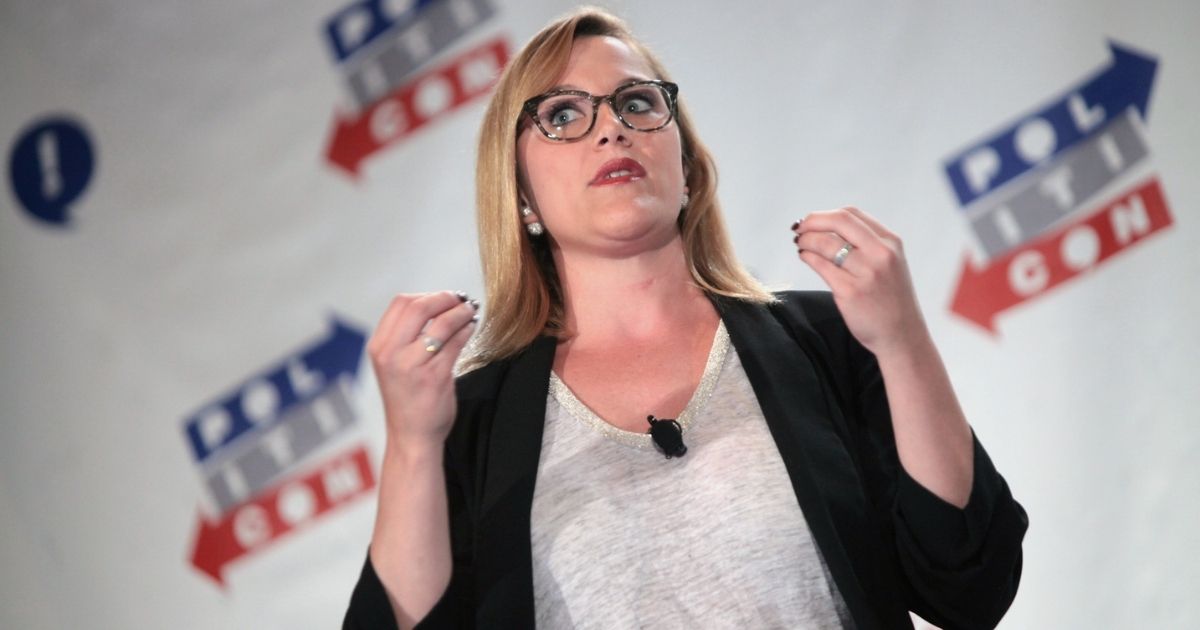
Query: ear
point(522, 196)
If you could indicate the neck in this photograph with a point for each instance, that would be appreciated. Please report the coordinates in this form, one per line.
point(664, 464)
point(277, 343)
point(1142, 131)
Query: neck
point(634, 297)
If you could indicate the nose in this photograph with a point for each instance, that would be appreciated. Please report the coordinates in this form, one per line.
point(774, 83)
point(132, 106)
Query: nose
point(609, 128)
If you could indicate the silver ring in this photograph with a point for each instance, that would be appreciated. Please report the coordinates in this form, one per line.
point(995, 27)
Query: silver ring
point(432, 344)
point(840, 256)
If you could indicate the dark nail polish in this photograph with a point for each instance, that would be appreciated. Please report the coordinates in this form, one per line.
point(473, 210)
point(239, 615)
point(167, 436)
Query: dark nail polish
point(796, 226)
point(796, 239)
point(461, 295)
point(474, 304)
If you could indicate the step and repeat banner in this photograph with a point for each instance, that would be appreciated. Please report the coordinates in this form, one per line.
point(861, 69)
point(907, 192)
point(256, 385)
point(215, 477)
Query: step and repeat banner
point(208, 205)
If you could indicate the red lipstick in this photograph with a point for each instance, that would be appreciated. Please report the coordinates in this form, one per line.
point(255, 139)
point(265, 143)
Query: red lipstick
point(618, 171)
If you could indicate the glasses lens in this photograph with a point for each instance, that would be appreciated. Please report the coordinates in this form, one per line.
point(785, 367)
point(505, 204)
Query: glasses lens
point(565, 116)
point(644, 107)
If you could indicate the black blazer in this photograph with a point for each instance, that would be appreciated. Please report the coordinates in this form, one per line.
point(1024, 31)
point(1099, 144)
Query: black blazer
point(890, 544)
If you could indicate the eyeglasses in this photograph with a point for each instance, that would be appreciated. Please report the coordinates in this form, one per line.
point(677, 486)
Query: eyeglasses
point(564, 115)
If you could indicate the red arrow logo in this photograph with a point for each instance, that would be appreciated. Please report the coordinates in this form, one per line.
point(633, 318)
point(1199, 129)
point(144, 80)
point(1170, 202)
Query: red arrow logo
point(351, 143)
point(1034, 268)
point(427, 97)
point(285, 507)
point(214, 547)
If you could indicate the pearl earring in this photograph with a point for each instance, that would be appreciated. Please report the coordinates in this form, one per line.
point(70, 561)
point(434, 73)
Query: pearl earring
point(536, 228)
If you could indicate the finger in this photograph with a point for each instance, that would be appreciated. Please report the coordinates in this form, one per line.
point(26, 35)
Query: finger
point(418, 312)
point(448, 355)
point(846, 225)
point(838, 281)
point(444, 326)
point(432, 341)
point(871, 222)
point(391, 316)
point(828, 244)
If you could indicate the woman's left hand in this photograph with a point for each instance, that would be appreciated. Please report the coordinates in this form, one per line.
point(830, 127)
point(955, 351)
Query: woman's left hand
point(870, 281)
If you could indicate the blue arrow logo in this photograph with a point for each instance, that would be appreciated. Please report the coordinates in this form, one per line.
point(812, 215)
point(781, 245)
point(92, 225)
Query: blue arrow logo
point(1044, 133)
point(1124, 83)
point(339, 353)
point(265, 398)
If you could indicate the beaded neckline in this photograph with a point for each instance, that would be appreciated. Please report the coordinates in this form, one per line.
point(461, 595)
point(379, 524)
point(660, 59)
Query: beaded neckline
point(708, 380)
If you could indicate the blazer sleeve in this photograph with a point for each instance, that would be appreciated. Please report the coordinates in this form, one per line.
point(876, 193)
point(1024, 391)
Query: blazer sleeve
point(370, 609)
point(962, 565)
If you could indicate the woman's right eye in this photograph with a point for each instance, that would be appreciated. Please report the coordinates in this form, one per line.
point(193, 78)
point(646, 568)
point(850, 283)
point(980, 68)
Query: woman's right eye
point(563, 115)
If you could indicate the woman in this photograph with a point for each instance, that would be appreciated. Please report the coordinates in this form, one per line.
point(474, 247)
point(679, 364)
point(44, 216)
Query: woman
point(825, 476)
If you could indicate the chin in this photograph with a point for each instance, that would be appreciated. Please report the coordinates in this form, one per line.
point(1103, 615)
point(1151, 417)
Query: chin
point(642, 234)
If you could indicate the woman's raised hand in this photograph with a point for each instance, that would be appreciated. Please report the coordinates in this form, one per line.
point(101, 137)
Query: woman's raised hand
point(863, 264)
point(413, 351)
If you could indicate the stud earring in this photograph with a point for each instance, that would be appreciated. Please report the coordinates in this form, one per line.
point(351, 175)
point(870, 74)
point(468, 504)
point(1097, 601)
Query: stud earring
point(683, 202)
point(535, 228)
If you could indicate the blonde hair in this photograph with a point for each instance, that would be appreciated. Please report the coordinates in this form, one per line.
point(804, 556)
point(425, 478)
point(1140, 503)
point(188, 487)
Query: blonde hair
point(524, 298)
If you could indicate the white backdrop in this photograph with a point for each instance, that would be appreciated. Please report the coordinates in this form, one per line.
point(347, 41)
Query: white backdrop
point(213, 251)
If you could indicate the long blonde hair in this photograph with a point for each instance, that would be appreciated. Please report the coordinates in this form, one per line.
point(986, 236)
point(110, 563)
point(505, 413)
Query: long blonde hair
point(524, 298)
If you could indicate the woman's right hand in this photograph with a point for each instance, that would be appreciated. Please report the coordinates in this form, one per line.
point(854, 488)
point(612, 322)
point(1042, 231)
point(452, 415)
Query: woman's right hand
point(417, 382)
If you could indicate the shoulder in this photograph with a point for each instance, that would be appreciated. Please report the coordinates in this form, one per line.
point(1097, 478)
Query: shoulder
point(815, 310)
point(815, 321)
point(812, 307)
point(800, 312)
point(502, 389)
point(485, 383)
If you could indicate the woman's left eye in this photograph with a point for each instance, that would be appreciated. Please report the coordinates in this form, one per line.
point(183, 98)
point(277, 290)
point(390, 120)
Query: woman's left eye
point(635, 105)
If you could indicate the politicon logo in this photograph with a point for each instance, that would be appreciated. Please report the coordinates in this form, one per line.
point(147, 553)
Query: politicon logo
point(1059, 191)
point(265, 451)
point(400, 73)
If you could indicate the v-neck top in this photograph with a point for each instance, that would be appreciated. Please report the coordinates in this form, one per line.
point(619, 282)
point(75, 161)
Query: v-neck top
point(563, 395)
point(624, 538)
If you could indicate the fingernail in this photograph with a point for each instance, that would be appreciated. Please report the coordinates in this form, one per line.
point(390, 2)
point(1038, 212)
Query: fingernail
point(461, 295)
point(796, 226)
point(796, 239)
point(474, 304)
point(475, 319)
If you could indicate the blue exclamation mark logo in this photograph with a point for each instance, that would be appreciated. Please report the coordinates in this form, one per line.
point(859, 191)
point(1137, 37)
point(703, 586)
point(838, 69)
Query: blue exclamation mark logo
point(50, 167)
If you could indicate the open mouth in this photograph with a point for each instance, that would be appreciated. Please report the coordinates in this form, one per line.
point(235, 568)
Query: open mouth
point(618, 171)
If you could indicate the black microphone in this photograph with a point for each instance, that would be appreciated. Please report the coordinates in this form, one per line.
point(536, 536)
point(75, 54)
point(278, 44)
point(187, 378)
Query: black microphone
point(667, 436)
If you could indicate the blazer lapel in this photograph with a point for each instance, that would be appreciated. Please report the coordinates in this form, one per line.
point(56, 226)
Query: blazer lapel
point(822, 473)
point(503, 562)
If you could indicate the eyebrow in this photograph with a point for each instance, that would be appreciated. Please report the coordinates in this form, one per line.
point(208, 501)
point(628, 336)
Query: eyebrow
point(626, 81)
